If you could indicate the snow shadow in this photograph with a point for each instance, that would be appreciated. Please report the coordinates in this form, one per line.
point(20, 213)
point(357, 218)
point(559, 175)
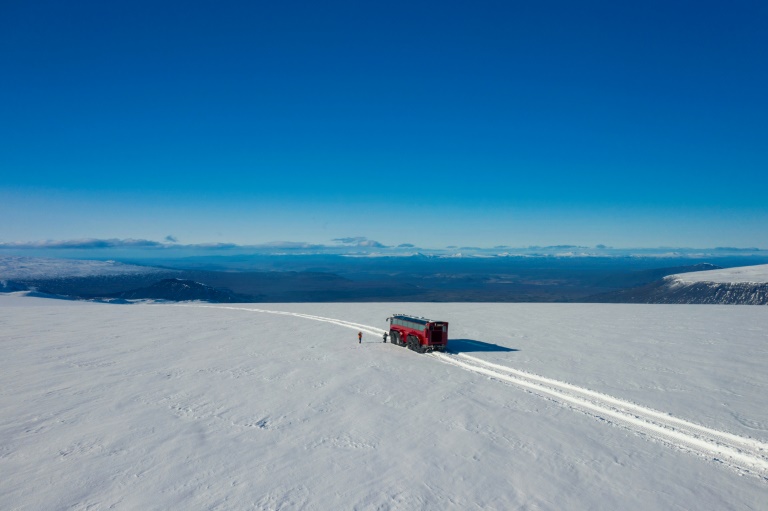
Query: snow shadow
point(471, 345)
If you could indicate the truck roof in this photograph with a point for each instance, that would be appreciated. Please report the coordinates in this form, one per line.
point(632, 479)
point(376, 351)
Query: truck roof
point(416, 319)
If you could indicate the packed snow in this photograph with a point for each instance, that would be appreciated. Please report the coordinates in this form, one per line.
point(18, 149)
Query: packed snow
point(757, 274)
point(277, 406)
point(12, 267)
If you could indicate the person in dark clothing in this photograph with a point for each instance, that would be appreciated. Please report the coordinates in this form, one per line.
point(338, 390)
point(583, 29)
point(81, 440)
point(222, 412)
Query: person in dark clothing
point(359, 337)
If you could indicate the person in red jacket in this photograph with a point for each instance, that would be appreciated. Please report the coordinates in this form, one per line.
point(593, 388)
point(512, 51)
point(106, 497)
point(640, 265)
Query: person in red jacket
point(359, 337)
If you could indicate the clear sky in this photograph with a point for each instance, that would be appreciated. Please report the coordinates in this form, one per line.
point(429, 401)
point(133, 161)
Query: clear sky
point(433, 123)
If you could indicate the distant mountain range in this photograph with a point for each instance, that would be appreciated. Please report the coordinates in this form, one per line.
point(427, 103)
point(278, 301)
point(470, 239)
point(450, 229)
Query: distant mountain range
point(458, 281)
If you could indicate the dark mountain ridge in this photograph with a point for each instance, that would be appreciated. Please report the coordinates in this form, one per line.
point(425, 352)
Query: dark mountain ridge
point(179, 290)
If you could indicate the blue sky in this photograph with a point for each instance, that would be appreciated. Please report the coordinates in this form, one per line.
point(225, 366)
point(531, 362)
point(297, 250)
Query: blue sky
point(433, 123)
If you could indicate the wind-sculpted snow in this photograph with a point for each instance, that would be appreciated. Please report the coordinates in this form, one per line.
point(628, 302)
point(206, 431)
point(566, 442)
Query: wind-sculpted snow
point(277, 406)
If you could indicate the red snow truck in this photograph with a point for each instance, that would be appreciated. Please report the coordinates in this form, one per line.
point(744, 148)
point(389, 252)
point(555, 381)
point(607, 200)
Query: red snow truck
point(421, 335)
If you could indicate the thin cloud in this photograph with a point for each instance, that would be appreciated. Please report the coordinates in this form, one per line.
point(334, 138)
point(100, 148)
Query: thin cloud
point(86, 243)
point(358, 246)
point(371, 244)
point(350, 241)
point(213, 246)
point(170, 242)
point(359, 241)
point(290, 245)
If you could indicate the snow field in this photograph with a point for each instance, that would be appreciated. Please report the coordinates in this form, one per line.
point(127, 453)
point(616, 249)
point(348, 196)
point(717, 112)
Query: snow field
point(218, 407)
point(743, 454)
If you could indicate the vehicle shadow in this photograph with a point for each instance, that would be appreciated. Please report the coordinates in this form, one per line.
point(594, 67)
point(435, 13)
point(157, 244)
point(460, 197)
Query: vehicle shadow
point(471, 345)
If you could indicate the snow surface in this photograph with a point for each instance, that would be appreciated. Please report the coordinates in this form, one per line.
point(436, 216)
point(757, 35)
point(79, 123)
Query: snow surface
point(757, 274)
point(537, 406)
point(38, 268)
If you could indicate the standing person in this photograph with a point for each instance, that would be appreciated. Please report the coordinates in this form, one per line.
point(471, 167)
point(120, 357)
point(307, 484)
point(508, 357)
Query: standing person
point(359, 337)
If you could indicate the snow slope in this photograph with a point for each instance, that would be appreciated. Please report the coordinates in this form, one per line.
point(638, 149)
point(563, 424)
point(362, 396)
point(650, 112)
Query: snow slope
point(757, 274)
point(742, 285)
point(538, 406)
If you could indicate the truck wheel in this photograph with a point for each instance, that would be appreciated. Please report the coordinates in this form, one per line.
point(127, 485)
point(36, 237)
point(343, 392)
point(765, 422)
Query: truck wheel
point(413, 344)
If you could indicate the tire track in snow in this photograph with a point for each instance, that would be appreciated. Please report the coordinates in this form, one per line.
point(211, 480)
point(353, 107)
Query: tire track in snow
point(348, 324)
point(745, 455)
point(625, 405)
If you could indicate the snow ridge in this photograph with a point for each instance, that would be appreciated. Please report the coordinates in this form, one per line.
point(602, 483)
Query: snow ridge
point(745, 455)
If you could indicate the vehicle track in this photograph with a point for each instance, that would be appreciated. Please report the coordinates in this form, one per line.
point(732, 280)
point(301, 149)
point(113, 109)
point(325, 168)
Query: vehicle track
point(348, 324)
point(745, 455)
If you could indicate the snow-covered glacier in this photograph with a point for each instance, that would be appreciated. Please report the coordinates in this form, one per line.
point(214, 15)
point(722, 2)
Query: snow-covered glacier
point(277, 406)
